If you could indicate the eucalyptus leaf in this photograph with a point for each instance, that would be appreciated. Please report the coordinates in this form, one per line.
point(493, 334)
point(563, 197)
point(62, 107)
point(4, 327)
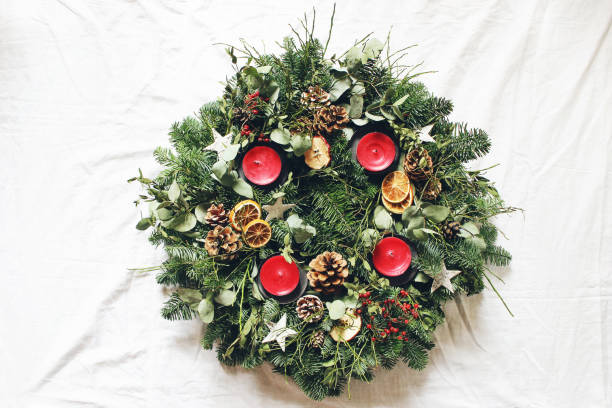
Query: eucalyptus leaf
point(200, 213)
point(415, 222)
point(243, 188)
point(280, 136)
point(353, 58)
point(174, 191)
point(469, 229)
point(348, 133)
point(189, 296)
point(409, 213)
point(387, 115)
point(206, 310)
point(226, 297)
point(369, 237)
point(436, 213)
point(300, 144)
point(360, 122)
point(143, 224)
point(419, 234)
point(382, 218)
point(336, 309)
point(182, 222)
point(230, 152)
point(299, 229)
point(478, 242)
point(356, 107)
point(372, 49)
point(338, 88)
point(358, 89)
point(338, 72)
point(264, 70)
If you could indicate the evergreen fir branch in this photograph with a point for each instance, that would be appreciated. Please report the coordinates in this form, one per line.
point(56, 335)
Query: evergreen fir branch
point(176, 309)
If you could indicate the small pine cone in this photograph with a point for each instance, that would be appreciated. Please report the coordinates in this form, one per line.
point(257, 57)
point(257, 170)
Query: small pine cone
point(432, 189)
point(317, 339)
point(241, 115)
point(216, 215)
point(309, 308)
point(330, 118)
point(315, 98)
point(327, 272)
point(418, 165)
point(222, 241)
point(451, 229)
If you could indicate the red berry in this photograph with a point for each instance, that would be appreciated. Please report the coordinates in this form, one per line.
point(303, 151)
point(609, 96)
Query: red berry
point(387, 331)
point(358, 311)
point(400, 338)
point(246, 127)
point(373, 338)
point(256, 93)
point(368, 294)
point(383, 309)
point(255, 111)
point(267, 139)
point(372, 317)
point(266, 99)
point(369, 301)
point(392, 300)
point(408, 306)
point(416, 306)
point(369, 326)
point(406, 321)
point(394, 320)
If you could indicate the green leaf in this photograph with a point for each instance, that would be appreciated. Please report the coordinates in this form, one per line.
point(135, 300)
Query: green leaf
point(301, 231)
point(415, 222)
point(436, 213)
point(338, 88)
point(182, 222)
point(230, 152)
point(206, 310)
point(382, 218)
point(478, 242)
point(469, 229)
point(358, 89)
point(243, 188)
point(300, 144)
point(356, 108)
point(419, 234)
point(372, 49)
point(387, 115)
point(409, 213)
point(353, 58)
point(280, 136)
point(360, 122)
point(200, 213)
point(401, 100)
point(143, 224)
point(264, 70)
point(174, 191)
point(189, 296)
point(226, 297)
point(336, 309)
point(375, 118)
point(369, 237)
point(348, 133)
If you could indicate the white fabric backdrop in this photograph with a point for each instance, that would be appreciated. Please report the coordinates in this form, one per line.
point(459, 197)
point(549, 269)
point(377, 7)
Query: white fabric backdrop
point(89, 88)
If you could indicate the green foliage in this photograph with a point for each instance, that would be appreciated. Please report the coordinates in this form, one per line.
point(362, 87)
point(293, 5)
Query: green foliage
point(337, 208)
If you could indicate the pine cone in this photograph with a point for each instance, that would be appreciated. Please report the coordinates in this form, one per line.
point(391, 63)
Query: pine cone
point(222, 241)
point(216, 215)
point(317, 339)
point(327, 272)
point(451, 229)
point(241, 115)
point(432, 189)
point(309, 308)
point(315, 98)
point(330, 118)
point(418, 165)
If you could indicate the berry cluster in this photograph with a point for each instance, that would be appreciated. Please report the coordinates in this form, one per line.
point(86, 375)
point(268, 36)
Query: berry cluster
point(251, 101)
point(394, 313)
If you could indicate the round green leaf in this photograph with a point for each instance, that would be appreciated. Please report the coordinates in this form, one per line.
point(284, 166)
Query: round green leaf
point(182, 222)
point(206, 310)
point(436, 213)
point(226, 297)
point(336, 309)
point(174, 191)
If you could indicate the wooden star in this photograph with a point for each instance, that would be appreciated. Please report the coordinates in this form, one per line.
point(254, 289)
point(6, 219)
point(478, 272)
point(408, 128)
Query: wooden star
point(444, 279)
point(279, 332)
point(424, 134)
point(277, 209)
point(220, 143)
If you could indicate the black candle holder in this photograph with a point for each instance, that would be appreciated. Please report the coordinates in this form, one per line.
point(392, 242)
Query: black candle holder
point(408, 275)
point(282, 177)
point(372, 127)
point(291, 297)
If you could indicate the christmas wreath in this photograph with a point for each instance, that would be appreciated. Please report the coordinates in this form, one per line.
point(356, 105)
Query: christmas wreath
point(319, 214)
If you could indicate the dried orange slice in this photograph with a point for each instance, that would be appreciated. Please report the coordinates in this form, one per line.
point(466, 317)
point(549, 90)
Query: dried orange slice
point(395, 187)
point(398, 208)
point(257, 233)
point(243, 213)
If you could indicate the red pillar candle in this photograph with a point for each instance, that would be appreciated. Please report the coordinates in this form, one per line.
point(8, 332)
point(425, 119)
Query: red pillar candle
point(279, 277)
point(261, 165)
point(376, 151)
point(392, 257)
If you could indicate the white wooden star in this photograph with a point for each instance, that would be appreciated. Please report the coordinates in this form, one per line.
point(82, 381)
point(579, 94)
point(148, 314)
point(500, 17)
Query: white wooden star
point(424, 135)
point(220, 143)
point(444, 279)
point(277, 209)
point(279, 332)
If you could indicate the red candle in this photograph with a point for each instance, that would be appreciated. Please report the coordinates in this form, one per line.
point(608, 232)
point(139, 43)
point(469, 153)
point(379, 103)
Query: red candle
point(279, 277)
point(261, 165)
point(392, 256)
point(376, 151)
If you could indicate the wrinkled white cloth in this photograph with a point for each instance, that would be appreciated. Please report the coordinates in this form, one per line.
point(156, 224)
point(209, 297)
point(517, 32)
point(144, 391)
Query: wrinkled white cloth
point(88, 88)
